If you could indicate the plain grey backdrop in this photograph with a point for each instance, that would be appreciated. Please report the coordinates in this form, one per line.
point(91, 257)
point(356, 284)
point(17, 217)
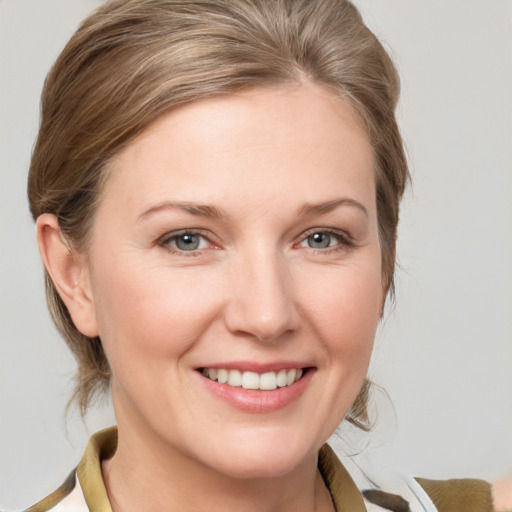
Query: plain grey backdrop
point(444, 355)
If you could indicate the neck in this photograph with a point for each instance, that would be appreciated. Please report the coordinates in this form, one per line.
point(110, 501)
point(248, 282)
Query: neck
point(147, 474)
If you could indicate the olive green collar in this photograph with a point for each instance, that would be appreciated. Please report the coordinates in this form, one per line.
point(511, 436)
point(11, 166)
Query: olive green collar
point(344, 493)
point(101, 445)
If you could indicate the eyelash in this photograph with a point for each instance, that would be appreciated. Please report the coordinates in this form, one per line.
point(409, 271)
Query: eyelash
point(343, 239)
point(167, 242)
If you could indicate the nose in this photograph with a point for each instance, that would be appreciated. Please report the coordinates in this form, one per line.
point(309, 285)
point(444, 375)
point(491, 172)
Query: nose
point(261, 300)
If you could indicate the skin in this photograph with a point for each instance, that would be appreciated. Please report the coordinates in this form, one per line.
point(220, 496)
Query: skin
point(256, 289)
point(502, 490)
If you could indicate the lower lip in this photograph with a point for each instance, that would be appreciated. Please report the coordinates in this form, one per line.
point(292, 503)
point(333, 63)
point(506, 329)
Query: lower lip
point(258, 401)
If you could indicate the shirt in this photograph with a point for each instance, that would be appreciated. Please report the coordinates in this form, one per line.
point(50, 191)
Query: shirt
point(352, 488)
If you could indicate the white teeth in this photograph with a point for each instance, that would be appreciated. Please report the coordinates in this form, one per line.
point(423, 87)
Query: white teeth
point(281, 378)
point(235, 378)
point(251, 380)
point(290, 377)
point(268, 381)
point(222, 376)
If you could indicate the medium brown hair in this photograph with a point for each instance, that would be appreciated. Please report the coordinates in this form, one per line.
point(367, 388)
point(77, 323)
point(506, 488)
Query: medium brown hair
point(133, 60)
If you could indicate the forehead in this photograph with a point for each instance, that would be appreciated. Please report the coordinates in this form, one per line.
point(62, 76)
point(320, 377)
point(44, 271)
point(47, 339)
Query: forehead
point(267, 142)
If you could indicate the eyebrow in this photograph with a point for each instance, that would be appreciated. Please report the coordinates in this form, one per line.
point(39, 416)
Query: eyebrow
point(328, 206)
point(203, 210)
point(206, 210)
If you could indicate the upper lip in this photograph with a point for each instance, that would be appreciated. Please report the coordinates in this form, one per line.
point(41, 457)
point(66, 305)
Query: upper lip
point(257, 367)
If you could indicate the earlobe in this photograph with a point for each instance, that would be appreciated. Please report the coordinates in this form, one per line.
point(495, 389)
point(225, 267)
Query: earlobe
point(68, 272)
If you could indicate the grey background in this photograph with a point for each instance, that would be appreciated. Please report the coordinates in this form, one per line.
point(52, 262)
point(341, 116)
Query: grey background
point(444, 355)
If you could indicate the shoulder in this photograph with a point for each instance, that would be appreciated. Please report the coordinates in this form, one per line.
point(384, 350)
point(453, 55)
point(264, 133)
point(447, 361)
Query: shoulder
point(84, 485)
point(460, 494)
point(457, 495)
point(385, 488)
point(67, 498)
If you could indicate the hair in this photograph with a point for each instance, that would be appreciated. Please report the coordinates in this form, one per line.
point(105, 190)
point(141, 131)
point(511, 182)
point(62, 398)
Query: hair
point(133, 60)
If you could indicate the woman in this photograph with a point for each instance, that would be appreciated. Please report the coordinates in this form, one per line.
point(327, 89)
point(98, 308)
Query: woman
point(216, 189)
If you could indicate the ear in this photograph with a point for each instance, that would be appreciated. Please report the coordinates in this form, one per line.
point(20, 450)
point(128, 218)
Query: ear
point(69, 273)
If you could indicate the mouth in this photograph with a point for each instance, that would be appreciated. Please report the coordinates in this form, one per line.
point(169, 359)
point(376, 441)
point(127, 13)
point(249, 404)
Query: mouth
point(267, 381)
point(257, 388)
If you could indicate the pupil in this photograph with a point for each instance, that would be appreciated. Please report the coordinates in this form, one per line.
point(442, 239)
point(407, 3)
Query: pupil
point(320, 241)
point(187, 242)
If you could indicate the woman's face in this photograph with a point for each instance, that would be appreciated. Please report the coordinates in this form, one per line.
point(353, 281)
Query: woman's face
point(237, 239)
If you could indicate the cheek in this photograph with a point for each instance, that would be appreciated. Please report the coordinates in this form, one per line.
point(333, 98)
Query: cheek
point(151, 314)
point(345, 308)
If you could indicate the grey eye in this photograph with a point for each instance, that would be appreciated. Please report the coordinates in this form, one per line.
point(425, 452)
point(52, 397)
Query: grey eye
point(319, 240)
point(187, 242)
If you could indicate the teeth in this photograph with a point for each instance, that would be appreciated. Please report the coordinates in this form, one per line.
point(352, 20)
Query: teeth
point(222, 376)
point(268, 381)
point(235, 378)
point(281, 379)
point(251, 380)
point(290, 377)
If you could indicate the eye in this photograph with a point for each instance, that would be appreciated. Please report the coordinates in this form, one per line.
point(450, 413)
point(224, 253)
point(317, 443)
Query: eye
point(325, 240)
point(320, 240)
point(184, 241)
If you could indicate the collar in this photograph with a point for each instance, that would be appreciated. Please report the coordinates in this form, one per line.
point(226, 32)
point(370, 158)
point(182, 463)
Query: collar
point(101, 445)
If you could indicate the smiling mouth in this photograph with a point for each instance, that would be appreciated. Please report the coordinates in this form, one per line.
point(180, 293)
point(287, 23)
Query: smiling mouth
point(267, 381)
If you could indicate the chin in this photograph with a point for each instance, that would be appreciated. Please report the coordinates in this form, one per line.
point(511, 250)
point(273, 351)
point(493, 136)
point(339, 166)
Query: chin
point(259, 456)
point(246, 467)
